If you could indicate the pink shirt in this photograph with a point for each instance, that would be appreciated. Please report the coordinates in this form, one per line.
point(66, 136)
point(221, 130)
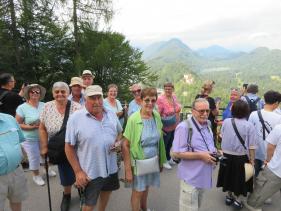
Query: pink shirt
point(167, 109)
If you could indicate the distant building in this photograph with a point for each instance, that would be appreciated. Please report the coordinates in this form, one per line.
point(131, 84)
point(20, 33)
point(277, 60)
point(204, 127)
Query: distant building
point(188, 79)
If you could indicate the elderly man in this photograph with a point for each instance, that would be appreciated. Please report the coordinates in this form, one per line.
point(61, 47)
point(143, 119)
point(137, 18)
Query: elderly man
point(12, 180)
point(269, 180)
point(88, 78)
point(9, 100)
point(193, 144)
point(76, 86)
point(91, 137)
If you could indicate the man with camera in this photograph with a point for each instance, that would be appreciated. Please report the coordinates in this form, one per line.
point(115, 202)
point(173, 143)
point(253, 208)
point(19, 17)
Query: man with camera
point(91, 141)
point(194, 146)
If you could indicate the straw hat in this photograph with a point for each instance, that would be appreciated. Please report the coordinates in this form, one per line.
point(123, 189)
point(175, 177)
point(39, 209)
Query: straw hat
point(31, 86)
point(249, 171)
point(76, 81)
point(93, 90)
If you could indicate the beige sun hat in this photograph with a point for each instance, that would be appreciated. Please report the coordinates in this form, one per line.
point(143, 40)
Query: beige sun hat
point(249, 171)
point(93, 90)
point(31, 86)
point(76, 81)
point(87, 72)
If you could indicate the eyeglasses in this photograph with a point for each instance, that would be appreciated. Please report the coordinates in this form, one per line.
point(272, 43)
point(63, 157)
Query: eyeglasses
point(35, 92)
point(152, 101)
point(136, 91)
point(202, 111)
point(59, 91)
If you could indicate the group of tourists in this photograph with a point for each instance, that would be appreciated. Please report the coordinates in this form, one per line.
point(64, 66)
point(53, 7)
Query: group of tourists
point(91, 129)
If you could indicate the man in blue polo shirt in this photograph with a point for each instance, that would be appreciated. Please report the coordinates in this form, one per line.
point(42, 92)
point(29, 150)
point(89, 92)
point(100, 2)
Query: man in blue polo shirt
point(12, 180)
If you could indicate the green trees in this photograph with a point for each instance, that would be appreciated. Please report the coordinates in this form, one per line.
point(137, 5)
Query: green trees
point(38, 45)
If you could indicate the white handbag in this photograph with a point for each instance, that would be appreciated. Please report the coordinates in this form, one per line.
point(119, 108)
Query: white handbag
point(147, 166)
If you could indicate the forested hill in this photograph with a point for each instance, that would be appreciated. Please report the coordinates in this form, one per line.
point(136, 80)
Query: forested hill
point(175, 61)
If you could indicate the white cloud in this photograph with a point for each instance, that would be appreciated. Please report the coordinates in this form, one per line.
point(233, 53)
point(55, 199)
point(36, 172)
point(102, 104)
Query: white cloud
point(200, 23)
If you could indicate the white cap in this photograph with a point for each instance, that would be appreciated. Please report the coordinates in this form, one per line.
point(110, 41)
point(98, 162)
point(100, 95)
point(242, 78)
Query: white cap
point(87, 72)
point(93, 90)
point(76, 81)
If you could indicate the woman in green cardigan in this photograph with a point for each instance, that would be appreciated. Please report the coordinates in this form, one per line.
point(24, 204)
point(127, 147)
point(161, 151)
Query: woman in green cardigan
point(143, 140)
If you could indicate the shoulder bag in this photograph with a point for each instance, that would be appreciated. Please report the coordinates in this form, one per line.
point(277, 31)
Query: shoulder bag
point(249, 168)
point(56, 144)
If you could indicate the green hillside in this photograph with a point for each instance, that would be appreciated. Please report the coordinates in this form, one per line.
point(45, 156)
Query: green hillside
point(173, 59)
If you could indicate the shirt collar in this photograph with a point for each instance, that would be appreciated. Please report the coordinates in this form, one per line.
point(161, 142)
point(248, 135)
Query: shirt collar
point(201, 126)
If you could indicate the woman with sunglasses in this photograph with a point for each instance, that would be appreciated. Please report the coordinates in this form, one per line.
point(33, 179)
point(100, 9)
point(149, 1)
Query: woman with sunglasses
point(169, 107)
point(27, 115)
point(143, 140)
point(135, 104)
point(234, 96)
point(51, 120)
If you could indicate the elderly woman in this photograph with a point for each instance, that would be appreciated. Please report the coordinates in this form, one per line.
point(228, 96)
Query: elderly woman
point(27, 115)
point(112, 103)
point(237, 152)
point(234, 96)
point(143, 141)
point(135, 104)
point(51, 121)
point(169, 109)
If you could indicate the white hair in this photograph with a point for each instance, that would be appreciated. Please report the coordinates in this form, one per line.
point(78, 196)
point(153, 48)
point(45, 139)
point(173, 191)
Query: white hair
point(60, 85)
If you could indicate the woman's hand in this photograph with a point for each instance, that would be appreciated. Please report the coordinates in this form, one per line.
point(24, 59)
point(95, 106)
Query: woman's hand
point(43, 150)
point(208, 158)
point(129, 176)
point(81, 179)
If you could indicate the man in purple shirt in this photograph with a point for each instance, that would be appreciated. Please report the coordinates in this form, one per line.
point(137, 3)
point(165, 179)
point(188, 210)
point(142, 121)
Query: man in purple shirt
point(196, 166)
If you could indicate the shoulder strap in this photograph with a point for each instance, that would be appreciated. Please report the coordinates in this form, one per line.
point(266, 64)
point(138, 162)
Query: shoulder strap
point(257, 100)
point(3, 95)
point(264, 128)
point(189, 134)
point(248, 99)
point(66, 115)
point(238, 134)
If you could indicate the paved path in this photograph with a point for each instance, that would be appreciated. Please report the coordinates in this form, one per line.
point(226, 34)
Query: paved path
point(163, 199)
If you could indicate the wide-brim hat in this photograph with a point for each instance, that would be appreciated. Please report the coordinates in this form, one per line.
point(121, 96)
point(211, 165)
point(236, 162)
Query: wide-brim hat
point(249, 171)
point(93, 90)
point(76, 81)
point(31, 86)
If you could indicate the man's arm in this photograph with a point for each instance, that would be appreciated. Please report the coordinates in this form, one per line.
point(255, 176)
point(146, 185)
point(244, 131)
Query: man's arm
point(81, 177)
point(270, 151)
point(205, 156)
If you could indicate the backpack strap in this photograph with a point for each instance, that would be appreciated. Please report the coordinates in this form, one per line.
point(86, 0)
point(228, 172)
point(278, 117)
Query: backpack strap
point(264, 128)
point(189, 134)
point(248, 100)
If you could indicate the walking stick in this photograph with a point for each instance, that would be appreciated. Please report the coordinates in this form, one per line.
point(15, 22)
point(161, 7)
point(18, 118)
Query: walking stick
point(48, 182)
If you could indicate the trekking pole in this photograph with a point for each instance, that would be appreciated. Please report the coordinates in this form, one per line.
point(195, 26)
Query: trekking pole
point(48, 182)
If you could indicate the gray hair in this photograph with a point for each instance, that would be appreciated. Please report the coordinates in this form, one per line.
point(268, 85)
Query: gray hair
point(199, 100)
point(60, 85)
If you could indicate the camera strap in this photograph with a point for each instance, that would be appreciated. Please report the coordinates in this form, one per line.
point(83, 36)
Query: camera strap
point(198, 129)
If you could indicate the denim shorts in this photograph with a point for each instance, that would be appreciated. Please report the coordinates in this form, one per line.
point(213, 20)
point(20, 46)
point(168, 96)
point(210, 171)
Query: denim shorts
point(67, 176)
point(95, 186)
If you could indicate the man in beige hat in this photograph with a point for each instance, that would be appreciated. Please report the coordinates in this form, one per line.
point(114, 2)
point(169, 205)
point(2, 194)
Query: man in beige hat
point(88, 78)
point(76, 86)
point(90, 144)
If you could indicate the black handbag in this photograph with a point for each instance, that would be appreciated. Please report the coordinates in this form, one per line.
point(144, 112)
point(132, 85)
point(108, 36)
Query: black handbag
point(56, 144)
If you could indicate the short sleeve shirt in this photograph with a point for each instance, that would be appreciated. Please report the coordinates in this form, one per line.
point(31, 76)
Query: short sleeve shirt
point(30, 115)
point(51, 117)
point(10, 149)
point(194, 172)
point(92, 140)
point(274, 138)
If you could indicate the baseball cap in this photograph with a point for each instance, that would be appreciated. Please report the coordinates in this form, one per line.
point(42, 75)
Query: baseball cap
point(76, 81)
point(93, 90)
point(87, 72)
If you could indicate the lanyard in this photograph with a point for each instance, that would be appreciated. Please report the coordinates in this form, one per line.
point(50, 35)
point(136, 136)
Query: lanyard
point(198, 129)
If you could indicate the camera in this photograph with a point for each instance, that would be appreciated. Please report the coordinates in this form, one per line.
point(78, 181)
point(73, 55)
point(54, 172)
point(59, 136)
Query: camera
point(219, 158)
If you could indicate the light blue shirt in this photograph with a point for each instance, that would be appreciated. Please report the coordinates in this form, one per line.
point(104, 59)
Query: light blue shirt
point(30, 115)
point(115, 109)
point(81, 101)
point(133, 107)
point(10, 149)
point(92, 140)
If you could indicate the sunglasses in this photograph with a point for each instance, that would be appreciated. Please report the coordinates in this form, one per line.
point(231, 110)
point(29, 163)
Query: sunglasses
point(59, 91)
point(202, 111)
point(35, 92)
point(152, 101)
point(136, 91)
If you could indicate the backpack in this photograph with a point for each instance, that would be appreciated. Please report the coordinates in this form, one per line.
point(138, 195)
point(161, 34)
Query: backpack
point(252, 103)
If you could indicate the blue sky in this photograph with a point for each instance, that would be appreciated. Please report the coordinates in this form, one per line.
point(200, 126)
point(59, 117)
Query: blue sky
point(235, 24)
